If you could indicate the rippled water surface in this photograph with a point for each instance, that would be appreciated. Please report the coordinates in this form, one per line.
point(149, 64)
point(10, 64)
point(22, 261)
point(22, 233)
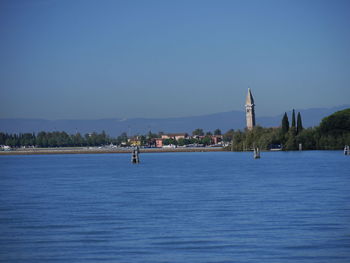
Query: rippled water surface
point(176, 207)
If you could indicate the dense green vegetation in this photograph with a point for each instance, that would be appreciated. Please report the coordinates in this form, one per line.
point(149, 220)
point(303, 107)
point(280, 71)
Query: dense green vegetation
point(332, 133)
point(54, 139)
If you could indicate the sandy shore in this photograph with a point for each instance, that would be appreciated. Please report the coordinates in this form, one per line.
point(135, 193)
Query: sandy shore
point(93, 150)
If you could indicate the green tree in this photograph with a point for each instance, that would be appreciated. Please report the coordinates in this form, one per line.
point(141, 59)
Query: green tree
point(299, 123)
point(337, 123)
point(198, 132)
point(151, 135)
point(78, 140)
point(181, 142)
point(42, 139)
point(143, 140)
point(169, 141)
point(293, 119)
point(122, 138)
point(217, 132)
point(10, 141)
point(206, 140)
point(51, 139)
point(285, 124)
point(334, 130)
point(307, 138)
point(27, 139)
point(291, 143)
point(228, 136)
point(238, 139)
point(264, 140)
point(3, 138)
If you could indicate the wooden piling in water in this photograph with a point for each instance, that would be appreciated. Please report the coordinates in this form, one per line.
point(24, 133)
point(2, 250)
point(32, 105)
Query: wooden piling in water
point(346, 150)
point(256, 153)
point(135, 155)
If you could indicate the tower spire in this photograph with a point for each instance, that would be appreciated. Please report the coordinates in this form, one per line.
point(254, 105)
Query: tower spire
point(250, 110)
point(249, 100)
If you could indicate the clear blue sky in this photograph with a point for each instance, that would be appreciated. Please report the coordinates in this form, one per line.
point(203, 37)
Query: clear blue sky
point(100, 59)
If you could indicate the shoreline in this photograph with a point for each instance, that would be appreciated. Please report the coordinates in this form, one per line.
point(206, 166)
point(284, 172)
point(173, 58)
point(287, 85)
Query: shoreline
point(68, 150)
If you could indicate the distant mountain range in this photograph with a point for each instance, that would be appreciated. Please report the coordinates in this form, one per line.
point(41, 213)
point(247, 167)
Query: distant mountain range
point(114, 127)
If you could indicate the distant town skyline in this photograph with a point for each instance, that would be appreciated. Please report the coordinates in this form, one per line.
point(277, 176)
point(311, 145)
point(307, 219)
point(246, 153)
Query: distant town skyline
point(159, 59)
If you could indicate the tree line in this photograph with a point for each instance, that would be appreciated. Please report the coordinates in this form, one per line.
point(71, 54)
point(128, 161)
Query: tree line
point(63, 139)
point(332, 134)
point(54, 139)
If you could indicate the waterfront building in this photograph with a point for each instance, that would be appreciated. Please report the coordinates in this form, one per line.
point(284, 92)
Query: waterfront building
point(216, 139)
point(175, 136)
point(159, 142)
point(250, 110)
point(135, 141)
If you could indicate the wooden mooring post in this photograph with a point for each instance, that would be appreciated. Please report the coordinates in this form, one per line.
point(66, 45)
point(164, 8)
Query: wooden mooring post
point(256, 153)
point(347, 150)
point(135, 155)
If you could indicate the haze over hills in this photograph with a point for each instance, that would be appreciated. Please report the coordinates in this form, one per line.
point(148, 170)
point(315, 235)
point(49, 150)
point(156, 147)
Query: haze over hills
point(114, 127)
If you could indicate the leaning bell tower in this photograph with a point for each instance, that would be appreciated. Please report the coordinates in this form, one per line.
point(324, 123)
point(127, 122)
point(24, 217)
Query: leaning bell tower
point(250, 110)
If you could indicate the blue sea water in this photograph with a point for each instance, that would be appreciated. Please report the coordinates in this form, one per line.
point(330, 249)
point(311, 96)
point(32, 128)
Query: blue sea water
point(176, 207)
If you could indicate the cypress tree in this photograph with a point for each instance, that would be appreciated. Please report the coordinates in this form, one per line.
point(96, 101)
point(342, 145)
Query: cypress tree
point(293, 119)
point(285, 124)
point(299, 124)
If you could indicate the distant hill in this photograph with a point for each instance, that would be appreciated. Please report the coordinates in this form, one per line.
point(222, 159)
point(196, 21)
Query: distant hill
point(114, 127)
